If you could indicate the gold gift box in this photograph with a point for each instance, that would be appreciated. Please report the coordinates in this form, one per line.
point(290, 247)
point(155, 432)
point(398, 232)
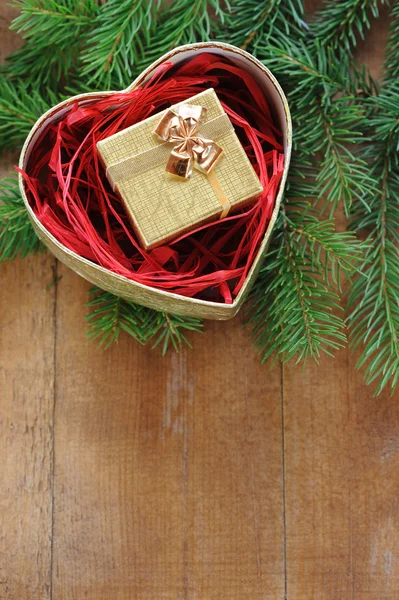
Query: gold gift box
point(162, 206)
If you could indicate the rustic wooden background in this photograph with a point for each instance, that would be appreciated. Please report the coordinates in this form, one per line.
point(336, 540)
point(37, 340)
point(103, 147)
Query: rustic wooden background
point(199, 476)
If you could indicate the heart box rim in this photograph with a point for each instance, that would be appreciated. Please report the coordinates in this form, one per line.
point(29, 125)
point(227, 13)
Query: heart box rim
point(127, 288)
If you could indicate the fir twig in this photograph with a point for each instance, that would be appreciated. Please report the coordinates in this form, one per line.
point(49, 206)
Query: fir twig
point(110, 315)
point(19, 110)
point(294, 305)
point(184, 22)
point(251, 22)
point(121, 31)
point(374, 301)
point(339, 23)
point(17, 237)
point(54, 31)
point(249, 18)
point(169, 330)
point(328, 115)
point(336, 132)
point(392, 49)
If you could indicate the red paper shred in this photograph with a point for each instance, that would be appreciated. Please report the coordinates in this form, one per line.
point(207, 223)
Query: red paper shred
point(68, 190)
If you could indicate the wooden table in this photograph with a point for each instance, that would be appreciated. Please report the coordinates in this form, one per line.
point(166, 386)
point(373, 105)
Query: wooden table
point(199, 476)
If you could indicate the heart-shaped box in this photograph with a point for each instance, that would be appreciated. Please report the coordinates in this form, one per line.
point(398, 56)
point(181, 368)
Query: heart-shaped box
point(137, 292)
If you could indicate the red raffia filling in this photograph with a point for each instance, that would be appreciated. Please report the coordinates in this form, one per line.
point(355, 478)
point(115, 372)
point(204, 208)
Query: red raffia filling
point(71, 197)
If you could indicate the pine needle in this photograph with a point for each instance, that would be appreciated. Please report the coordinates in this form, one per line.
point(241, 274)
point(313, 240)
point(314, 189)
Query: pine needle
point(17, 237)
point(253, 22)
point(20, 108)
point(121, 31)
point(110, 315)
point(54, 32)
point(184, 22)
point(294, 309)
point(373, 303)
point(341, 23)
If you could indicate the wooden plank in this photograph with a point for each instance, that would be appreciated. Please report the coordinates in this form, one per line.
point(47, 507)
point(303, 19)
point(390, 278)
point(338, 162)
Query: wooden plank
point(26, 433)
point(26, 409)
point(167, 470)
point(234, 505)
point(341, 456)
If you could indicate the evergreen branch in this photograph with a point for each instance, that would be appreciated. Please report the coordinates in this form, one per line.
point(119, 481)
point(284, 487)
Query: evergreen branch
point(19, 110)
point(333, 130)
point(54, 31)
point(293, 308)
point(249, 18)
point(261, 13)
point(392, 49)
point(329, 117)
point(169, 330)
point(339, 23)
point(384, 118)
point(40, 17)
point(17, 237)
point(252, 21)
point(312, 73)
point(121, 30)
point(334, 252)
point(184, 22)
point(110, 315)
point(374, 301)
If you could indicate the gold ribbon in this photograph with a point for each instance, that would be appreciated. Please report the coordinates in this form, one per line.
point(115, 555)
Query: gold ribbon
point(179, 126)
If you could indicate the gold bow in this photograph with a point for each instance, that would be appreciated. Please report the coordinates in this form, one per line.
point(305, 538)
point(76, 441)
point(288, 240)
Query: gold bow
point(179, 126)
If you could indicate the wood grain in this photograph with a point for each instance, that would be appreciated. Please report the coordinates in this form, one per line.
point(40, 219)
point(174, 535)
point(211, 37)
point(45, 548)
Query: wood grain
point(26, 428)
point(199, 476)
point(26, 410)
point(341, 456)
point(167, 481)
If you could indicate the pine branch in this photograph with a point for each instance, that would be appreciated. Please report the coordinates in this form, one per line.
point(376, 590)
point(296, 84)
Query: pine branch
point(338, 24)
point(169, 330)
point(20, 108)
point(17, 237)
point(332, 131)
point(54, 31)
point(256, 17)
point(184, 22)
point(312, 73)
point(295, 299)
point(111, 315)
point(384, 120)
point(332, 102)
point(329, 117)
point(253, 21)
point(121, 31)
point(392, 49)
point(373, 303)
